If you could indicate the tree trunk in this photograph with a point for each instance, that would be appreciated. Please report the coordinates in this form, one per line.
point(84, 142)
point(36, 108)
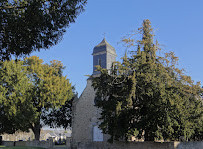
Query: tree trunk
point(36, 130)
point(148, 136)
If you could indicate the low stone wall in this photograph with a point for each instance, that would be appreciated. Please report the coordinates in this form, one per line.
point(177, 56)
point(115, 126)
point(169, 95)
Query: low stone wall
point(117, 145)
point(189, 145)
point(8, 143)
point(140, 145)
point(44, 144)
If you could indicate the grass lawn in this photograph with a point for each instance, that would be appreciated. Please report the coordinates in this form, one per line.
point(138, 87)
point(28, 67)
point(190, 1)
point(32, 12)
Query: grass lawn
point(19, 147)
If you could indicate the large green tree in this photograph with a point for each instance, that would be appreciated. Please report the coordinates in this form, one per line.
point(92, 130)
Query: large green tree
point(30, 90)
point(14, 86)
point(60, 117)
point(30, 25)
point(148, 96)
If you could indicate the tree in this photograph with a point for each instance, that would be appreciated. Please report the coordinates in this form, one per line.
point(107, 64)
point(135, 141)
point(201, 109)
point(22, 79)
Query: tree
point(29, 90)
point(60, 117)
point(31, 25)
point(13, 87)
point(147, 96)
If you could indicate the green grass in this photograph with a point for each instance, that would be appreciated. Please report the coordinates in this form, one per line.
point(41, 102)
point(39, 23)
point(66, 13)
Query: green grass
point(19, 147)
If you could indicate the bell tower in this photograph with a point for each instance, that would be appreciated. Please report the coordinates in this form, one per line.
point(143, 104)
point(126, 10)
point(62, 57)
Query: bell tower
point(85, 120)
point(104, 55)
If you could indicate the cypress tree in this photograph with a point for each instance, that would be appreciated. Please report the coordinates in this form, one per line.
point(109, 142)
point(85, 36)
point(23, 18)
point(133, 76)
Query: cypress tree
point(147, 96)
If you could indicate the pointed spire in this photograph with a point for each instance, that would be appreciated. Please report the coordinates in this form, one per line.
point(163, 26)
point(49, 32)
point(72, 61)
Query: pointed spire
point(102, 43)
point(104, 55)
point(104, 46)
point(104, 40)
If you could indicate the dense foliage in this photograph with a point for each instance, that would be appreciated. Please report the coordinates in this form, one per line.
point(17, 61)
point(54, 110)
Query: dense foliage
point(148, 96)
point(13, 87)
point(29, 90)
point(30, 25)
point(59, 117)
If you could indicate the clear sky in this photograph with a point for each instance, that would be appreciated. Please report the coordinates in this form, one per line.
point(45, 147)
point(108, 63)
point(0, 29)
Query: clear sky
point(178, 26)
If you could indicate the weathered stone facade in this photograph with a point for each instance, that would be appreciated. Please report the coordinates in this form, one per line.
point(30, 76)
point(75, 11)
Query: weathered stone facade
point(85, 114)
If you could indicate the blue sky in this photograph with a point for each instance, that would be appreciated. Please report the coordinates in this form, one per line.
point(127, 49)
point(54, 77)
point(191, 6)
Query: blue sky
point(178, 26)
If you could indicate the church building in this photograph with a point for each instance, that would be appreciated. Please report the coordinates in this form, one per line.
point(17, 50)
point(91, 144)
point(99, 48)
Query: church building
point(85, 115)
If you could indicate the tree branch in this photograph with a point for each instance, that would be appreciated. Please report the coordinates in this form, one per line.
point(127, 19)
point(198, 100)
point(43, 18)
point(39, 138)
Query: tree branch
point(12, 7)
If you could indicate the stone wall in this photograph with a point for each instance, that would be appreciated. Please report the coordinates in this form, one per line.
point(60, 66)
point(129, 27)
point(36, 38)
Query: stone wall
point(110, 59)
point(141, 145)
point(85, 116)
point(116, 145)
point(8, 143)
point(44, 144)
point(26, 136)
point(189, 145)
point(18, 136)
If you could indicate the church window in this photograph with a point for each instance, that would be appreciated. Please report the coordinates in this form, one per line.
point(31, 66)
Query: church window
point(99, 61)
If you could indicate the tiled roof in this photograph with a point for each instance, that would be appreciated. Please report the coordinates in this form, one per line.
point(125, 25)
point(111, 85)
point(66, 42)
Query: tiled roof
point(104, 46)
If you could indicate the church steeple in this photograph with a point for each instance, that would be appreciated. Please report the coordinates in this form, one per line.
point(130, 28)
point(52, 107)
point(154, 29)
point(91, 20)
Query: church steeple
point(104, 55)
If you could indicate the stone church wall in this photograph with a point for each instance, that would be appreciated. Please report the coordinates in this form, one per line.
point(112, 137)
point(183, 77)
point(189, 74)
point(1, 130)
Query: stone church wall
point(85, 116)
point(110, 58)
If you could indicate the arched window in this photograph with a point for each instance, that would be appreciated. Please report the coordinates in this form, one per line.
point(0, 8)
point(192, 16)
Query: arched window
point(99, 61)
